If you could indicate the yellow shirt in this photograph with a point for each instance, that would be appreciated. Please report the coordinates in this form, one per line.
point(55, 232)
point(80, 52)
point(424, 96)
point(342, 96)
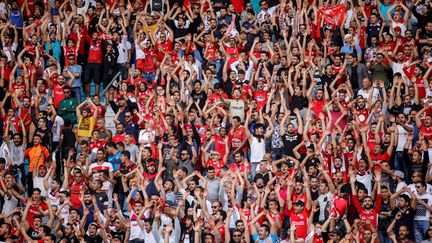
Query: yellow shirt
point(85, 126)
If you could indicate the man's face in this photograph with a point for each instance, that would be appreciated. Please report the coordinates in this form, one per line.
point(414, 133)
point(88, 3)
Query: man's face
point(420, 189)
point(323, 188)
point(151, 169)
point(17, 140)
point(184, 155)
point(100, 155)
point(291, 129)
point(367, 203)
point(36, 140)
point(67, 93)
point(120, 129)
point(262, 232)
point(403, 232)
point(37, 222)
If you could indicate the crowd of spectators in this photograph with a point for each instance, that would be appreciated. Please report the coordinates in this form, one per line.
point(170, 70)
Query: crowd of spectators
point(235, 121)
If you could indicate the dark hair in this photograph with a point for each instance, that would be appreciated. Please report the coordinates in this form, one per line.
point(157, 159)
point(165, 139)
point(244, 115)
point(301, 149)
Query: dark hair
point(37, 190)
point(126, 154)
point(46, 229)
point(110, 144)
point(52, 237)
point(148, 220)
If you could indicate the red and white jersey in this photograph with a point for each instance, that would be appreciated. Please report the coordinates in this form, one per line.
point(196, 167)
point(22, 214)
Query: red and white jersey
point(95, 168)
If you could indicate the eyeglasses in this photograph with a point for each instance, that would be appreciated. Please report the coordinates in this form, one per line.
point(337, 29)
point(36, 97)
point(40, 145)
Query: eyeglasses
point(127, 116)
point(66, 92)
point(237, 235)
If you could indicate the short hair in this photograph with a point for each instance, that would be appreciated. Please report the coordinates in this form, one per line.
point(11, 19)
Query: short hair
point(110, 144)
point(126, 154)
point(37, 190)
point(52, 237)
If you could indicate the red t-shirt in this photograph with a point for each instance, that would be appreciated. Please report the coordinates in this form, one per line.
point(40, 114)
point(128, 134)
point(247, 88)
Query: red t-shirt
point(219, 145)
point(75, 192)
point(238, 137)
point(371, 214)
point(379, 158)
point(318, 106)
point(216, 164)
point(95, 145)
point(260, 96)
point(58, 95)
point(95, 54)
point(34, 211)
point(301, 222)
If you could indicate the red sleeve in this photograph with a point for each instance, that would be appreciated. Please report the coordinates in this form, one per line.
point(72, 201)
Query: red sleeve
point(378, 203)
point(45, 152)
point(357, 203)
point(27, 152)
point(407, 72)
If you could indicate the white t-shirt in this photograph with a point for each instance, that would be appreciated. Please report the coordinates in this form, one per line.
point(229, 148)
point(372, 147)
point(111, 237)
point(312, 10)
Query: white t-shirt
point(123, 48)
point(7, 52)
point(56, 128)
point(365, 94)
point(139, 53)
point(108, 188)
point(403, 136)
point(38, 182)
point(366, 180)
point(323, 199)
point(422, 213)
point(10, 203)
point(414, 190)
point(145, 135)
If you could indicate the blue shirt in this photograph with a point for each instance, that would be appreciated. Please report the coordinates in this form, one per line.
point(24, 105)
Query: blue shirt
point(76, 69)
point(270, 238)
point(16, 18)
point(115, 160)
point(55, 49)
point(383, 8)
point(350, 50)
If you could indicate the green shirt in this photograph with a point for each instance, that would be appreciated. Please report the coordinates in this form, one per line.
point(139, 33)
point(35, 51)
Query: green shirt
point(67, 109)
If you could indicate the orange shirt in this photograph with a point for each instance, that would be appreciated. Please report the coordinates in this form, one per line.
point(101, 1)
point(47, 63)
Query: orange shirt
point(33, 154)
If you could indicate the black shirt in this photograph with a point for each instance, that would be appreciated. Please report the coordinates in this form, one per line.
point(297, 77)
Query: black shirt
point(290, 142)
point(95, 239)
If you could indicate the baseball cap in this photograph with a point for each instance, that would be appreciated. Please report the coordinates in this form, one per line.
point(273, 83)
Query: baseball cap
point(399, 173)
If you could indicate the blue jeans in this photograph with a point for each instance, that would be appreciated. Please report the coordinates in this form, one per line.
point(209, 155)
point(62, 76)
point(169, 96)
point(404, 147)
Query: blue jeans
point(420, 229)
point(149, 77)
point(384, 237)
point(399, 164)
point(76, 92)
point(277, 153)
point(254, 166)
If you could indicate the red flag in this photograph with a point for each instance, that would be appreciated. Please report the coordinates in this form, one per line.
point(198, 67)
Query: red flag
point(333, 16)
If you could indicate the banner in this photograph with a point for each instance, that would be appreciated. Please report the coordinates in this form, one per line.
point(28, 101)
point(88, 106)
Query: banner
point(333, 16)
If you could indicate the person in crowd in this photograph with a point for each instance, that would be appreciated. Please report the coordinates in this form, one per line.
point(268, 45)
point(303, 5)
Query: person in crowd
point(215, 121)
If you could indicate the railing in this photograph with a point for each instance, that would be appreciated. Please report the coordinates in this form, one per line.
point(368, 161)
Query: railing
point(110, 83)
